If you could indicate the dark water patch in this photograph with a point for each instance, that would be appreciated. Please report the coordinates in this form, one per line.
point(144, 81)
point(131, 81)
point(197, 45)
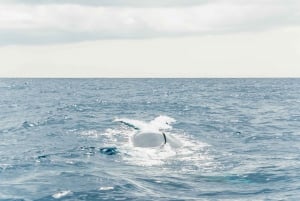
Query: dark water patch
point(236, 195)
point(251, 178)
point(27, 124)
point(43, 157)
point(109, 150)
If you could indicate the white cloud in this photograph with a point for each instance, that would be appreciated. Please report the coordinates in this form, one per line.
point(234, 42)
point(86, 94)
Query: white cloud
point(67, 22)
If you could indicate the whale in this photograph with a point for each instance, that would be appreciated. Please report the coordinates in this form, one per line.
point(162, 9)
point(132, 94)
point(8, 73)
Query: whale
point(155, 133)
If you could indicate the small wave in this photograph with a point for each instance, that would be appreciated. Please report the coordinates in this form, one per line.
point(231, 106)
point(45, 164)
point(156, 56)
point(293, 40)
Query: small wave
point(106, 188)
point(51, 120)
point(61, 194)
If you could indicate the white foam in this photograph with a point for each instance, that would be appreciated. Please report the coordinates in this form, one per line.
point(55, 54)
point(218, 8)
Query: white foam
point(106, 188)
point(61, 194)
point(90, 133)
point(148, 156)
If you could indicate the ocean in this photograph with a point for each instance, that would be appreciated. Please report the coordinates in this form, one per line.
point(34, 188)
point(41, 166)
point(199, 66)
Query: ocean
point(61, 139)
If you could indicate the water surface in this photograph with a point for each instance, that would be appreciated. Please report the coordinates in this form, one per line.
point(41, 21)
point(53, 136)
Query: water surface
point(240, 139)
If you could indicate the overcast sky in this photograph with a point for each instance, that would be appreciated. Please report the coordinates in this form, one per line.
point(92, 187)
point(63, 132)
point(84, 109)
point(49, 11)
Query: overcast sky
point(157, 38)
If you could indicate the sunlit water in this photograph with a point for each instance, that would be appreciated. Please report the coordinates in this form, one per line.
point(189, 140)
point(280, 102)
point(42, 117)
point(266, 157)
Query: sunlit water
point(240, 139)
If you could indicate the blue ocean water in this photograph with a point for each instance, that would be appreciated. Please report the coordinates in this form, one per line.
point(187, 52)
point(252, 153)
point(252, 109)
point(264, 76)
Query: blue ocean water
point(240, 139)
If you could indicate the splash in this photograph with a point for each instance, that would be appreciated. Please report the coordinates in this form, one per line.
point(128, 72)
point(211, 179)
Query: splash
point(156, 125)
point(184, 148)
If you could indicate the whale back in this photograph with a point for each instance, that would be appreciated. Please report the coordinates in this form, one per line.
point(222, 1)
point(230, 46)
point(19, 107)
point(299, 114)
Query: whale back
point(153, 139)
point(147, 139)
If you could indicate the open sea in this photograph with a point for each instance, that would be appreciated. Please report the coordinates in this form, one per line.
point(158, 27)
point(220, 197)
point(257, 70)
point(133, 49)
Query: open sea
point(240, 139)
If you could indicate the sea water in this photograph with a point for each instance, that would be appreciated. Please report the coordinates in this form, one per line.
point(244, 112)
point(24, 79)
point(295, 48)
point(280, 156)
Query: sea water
point(240, 139)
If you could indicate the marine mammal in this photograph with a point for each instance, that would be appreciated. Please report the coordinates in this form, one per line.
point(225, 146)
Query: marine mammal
point(152, 134)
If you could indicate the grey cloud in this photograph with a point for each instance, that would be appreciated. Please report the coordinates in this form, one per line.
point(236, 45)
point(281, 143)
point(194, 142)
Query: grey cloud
point(63, 23)
point(116, 3)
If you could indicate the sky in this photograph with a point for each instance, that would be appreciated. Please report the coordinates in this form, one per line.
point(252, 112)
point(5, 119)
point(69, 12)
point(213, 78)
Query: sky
point(157, 38)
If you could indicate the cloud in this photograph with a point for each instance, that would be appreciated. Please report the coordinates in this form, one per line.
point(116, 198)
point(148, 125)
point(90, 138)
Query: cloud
point(116, 3)
point(50, 23)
